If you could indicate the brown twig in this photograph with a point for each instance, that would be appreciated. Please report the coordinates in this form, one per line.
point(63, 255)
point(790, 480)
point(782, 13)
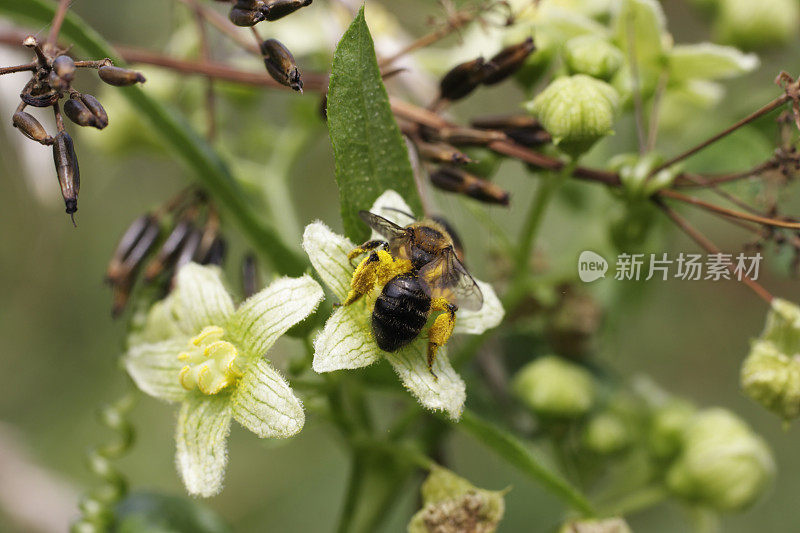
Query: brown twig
point(58, 20)
point(18, 68)
point(710, 247)
point(675, 195)
point(776, 103)
point(205, 53)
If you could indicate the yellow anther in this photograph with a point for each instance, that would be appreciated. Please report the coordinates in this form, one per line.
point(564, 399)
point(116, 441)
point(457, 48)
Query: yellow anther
point(211, 362)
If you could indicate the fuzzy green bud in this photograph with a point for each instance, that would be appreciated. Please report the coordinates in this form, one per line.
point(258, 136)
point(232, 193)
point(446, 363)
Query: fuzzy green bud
point(723, 464)
point(451, 504)
point(771, 373)
point(606, 434)
point(592, 55)
point(772, 378)
point(606, 525)
point(553, 387)
point(665, 436)
point(754, 25)
point(577, 111)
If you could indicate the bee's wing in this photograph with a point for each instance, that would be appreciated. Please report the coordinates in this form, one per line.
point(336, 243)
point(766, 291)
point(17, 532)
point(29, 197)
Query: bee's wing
point(385, 227)
point(445, 276)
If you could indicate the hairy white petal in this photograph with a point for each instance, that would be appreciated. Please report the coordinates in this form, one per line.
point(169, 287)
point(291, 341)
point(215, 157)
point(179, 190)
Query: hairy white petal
point(204, 423)
point(447, 393)
point(155, 367)
point(487, 317)
point(328, 254)
point(267, 315)
point(201, 298)
point(264, 403)
point(346, 342)
point(391, 206)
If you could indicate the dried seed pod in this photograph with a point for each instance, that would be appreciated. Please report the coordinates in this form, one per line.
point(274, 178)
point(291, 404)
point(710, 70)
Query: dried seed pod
point(250, 277)
point(38, 95)
point(141, 249)
point(64, 68)
point(245, 17)
point(276, 9)
point(462, 79)
point(121, 295)
point(281, 65)
point(457, 180)
point(69, 175)
point(169, 251)
point(464, 136)
point(216, 252)
point(442, 153)
point(97, 110)
point(508, 61)
point(529, 137)
point(78, 113)
point(250, 4)
point(30, 127)
point(119, 77)
point(126, 245)
point(189, 249)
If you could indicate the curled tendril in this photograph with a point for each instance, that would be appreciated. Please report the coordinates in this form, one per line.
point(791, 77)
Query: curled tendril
point(97, 505)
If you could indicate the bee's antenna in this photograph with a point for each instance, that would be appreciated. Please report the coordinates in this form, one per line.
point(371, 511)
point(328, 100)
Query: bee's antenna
point(409, 215)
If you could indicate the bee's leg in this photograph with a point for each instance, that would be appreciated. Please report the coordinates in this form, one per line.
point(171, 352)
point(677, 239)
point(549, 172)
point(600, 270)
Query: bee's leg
point(366, 247)
point(441, 330)
point(378, 267)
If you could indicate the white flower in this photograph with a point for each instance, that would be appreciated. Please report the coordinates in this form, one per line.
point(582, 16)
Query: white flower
point(198, 350)
point(347, 341)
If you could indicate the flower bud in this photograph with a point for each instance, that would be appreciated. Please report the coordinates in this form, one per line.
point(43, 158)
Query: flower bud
point(723, 464)
point(753, 25)
point(772, 378)
point(606, 525)
point(78, 113)
point(783, 326)
point(30, 127)
point(606, 434)
point(69, 175)
point(665, 434)
point(577, 111)
point(592, 55)
point(451, 504)
point(281, 65)
point(553, 387)
point(119, 77)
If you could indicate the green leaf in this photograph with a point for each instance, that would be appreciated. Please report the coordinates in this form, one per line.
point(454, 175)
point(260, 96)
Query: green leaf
point(514, 452)
point(709, 61)
point(210, 171)
point(371, 155)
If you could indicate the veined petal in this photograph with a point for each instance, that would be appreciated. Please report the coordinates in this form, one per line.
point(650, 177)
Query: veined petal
point(204, 423)
point(447, 393)
point(202, 299)
point(391, 206)
point(346, 342)
point(267, 315)
point(155, 367)
point(487, 317)
point(328, 254)
point(264, 403)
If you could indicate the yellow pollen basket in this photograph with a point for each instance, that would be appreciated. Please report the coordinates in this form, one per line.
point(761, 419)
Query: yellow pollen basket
point(210, 362)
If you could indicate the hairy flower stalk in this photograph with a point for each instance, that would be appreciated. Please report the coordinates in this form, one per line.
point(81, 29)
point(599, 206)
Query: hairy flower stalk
point(196, 349)
point(347, 341)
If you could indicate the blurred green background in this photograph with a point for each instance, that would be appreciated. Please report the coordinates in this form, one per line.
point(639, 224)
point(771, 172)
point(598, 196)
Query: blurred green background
point(59, 345)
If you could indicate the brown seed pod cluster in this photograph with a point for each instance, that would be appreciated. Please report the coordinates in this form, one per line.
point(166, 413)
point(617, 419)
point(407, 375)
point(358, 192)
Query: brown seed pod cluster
point(456, 169)
point(157, 244)
point(251, 12)
point(53, 72)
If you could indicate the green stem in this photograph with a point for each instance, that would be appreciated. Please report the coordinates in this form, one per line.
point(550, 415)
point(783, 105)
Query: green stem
point(209, 170)
point(517, 454)
point(638, 500)
point(535, 215)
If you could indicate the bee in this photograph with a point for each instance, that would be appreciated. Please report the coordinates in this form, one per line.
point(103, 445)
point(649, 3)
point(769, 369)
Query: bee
point(420, 270)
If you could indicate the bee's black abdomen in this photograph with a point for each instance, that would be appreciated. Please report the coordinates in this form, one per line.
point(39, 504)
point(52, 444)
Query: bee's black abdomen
point(400, 312)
